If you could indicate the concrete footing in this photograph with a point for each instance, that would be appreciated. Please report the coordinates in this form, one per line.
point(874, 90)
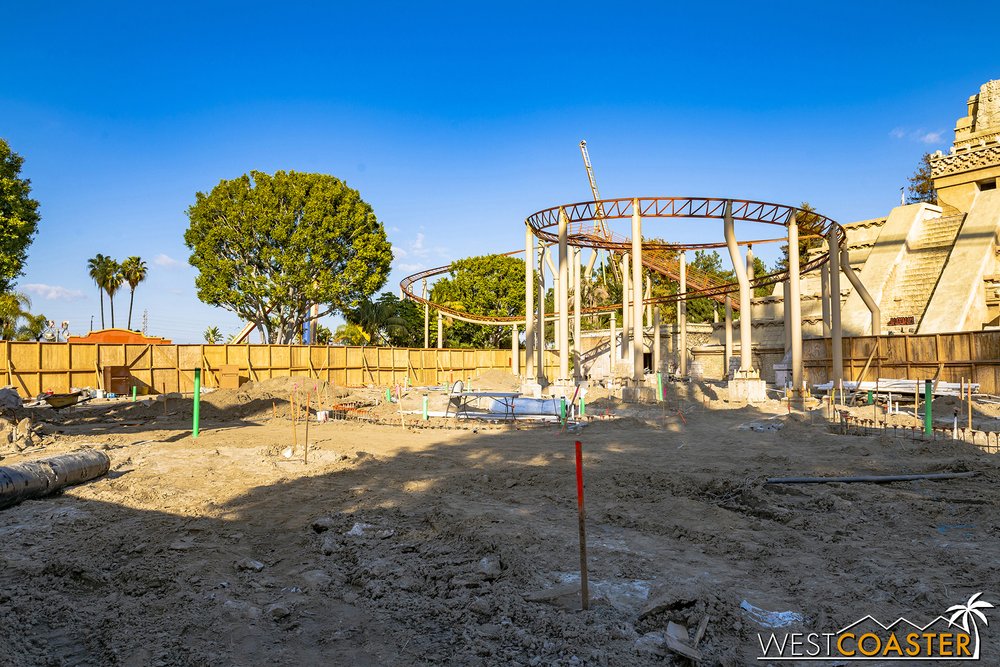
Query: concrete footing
point(747, 390)
point(638, 394)
point(531, 389)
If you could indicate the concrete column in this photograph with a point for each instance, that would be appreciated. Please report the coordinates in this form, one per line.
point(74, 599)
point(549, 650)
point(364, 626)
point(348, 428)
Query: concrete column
point(729, 335)
point(577, 326)
point(529, 303)
point(563, 295)
point(613, 351)
point(824, 294)
point(427, 319)
point(836, 333)
point(785, 312)
point(626, 309)
point(682, 319)
point(746, 361)
point(656, 339)
point(637, 337)
point(540, 349)
point(440, 331)
point(795, 305)
point(515, 354)
point(750, 272)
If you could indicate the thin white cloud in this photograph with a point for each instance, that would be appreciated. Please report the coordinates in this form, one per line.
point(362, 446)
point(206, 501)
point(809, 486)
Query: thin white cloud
point(53, 292)
point(166, 261)
point(919, 135)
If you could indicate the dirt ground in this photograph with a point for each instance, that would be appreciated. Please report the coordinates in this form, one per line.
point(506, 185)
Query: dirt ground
point(437, 544)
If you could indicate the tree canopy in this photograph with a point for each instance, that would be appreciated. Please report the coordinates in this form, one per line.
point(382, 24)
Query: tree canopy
point(921, 187)
point(18, 217)
point(491, 285)
point(267, 247)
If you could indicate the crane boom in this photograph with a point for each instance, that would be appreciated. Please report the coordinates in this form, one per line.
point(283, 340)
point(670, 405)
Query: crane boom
point(599, 226)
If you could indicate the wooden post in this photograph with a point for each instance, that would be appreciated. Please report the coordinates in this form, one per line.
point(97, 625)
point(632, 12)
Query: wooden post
point(584, 592)
point(305, 455)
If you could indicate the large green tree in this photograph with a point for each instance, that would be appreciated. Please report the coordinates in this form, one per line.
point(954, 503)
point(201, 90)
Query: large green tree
point(921, 187)
point(18, 217)
point(492, 285)
point(267, 247)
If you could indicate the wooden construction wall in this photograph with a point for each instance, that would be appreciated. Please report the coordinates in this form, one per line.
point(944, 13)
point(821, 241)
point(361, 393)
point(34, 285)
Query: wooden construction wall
point(36, 367)
point(946, 357)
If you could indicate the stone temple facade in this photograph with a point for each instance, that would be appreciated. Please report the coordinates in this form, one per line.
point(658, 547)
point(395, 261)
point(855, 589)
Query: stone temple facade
point(931, 268)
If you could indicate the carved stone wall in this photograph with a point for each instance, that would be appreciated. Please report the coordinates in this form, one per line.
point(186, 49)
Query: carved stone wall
point(957, 163)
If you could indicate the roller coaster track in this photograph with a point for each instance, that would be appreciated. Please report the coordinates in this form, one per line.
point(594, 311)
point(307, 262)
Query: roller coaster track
point(656, 256)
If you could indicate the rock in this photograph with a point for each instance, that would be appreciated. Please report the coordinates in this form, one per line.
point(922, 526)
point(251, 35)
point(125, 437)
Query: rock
point(383, 534)
point(358, 529)
point(249, 565)
point(489, 566)
point(331, 544)
point(317, 578)
point(278, 611)
point(650, 644)
point(9, 398)
point(481, 605)
point(323, 524)
point(490, 630)
point(242, 608)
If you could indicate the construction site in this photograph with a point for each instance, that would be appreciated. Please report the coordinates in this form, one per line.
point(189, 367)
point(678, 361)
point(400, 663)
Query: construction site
point(650, 492)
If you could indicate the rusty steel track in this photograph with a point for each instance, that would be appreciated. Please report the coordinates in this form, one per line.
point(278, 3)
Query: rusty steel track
point(657, 256)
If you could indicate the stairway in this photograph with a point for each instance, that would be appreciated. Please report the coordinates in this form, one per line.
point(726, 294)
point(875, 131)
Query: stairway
point(921, 269)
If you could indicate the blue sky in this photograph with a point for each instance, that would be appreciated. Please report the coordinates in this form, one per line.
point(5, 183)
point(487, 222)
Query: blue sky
point(456, 121)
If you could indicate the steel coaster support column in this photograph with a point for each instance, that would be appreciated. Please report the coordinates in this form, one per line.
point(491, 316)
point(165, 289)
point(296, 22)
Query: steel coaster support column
point(862, 291)
point(836, 332)
point(540, 350)
point(577, 326)
point(682, 318)
point(786, 299)
point(626, 309)
point(563, 295)
point(647, 294)
point(795, 309)
point(656, 341)
point(515, 353)
point(741, 276)
point(729, 336)
point(824, 293)
point(529, 302)
point(427, 319)
point(613, 345)
point(637, 337)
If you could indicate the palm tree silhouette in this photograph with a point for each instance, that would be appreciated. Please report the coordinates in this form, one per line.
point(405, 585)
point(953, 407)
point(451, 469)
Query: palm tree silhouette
point(99, 268)
point(112, 282)
point(968, 613)
point(134, 272)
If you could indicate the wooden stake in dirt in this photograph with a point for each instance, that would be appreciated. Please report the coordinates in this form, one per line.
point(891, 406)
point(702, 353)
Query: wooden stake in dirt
point(305, 456)
point(584, 592)
point(970, 404)
point(295, 433)
point(274, 410)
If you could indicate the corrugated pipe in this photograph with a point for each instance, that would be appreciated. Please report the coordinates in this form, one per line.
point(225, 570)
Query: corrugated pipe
point(35, 479)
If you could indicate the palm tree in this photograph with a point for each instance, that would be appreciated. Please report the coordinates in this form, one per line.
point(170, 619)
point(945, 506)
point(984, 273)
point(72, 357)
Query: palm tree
point(134, 272)
point(350, 334)
point(969, 612)
point(212, 335)
point(99, 268)
point(112, 283)
point(33, 328)
point(377, 319)
point(13, 306)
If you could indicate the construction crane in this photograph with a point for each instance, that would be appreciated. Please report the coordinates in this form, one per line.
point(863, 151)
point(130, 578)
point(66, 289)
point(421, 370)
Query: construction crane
point(599, 226)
